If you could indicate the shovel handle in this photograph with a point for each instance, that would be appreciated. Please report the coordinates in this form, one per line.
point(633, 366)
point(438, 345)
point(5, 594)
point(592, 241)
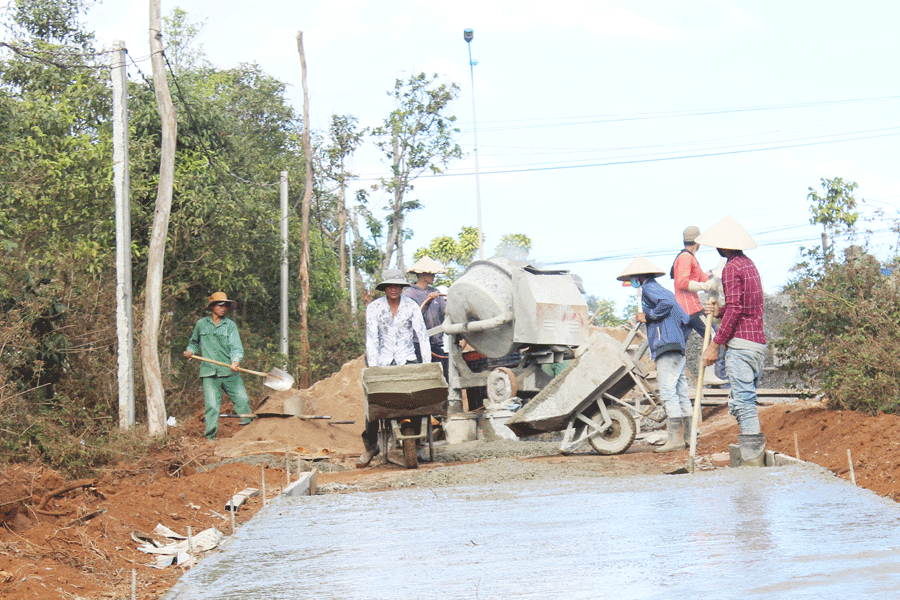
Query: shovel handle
point(221, 364)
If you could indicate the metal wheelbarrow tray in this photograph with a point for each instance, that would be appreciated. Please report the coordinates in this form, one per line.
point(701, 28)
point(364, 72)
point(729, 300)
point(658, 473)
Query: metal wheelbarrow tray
point(402, 392)
point(585, 401)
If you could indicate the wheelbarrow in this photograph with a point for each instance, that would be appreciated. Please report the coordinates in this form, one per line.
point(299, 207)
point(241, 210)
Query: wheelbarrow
point(403, 399)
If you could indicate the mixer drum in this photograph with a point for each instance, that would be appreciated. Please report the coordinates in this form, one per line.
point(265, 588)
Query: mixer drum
point(483, 292)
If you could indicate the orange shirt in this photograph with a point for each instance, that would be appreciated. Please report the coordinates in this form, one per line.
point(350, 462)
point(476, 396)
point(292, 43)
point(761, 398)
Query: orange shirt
point(685, 269)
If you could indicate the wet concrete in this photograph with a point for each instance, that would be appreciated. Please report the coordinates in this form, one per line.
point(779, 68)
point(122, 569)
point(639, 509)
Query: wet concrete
point(786, 532)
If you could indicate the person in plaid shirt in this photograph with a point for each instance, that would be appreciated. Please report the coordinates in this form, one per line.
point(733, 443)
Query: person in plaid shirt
point(217, 337)
point(741, 332)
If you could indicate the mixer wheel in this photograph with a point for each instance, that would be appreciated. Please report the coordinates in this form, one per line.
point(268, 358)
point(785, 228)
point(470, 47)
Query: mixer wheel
point(501, 385)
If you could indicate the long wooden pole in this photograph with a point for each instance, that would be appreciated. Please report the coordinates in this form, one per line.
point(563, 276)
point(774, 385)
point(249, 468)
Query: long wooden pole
point(695, 421)
point(304, 228)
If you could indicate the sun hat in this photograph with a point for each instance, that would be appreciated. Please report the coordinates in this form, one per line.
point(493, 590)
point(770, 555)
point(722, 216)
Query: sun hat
point(426, 264)
point(221, 297)
point(728, 235)
point(690, 234)
point(391, 277)
point(640, 266)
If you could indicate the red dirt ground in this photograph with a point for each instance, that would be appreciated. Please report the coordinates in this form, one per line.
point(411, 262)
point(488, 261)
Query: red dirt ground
point(47, 553)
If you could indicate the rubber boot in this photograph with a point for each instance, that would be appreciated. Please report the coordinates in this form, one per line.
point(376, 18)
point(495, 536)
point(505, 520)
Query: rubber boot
point(753, 449)
point(688, 421)
point(366, 457)
point(709, 378)
point(675, 429)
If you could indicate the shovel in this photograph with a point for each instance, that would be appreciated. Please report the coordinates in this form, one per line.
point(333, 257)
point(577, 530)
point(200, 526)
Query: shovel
point(276, 379)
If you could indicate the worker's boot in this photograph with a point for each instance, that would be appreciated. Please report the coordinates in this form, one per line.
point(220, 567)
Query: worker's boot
point(752, 447)
point(709, 378)
point(675, 429)
point(366, 457)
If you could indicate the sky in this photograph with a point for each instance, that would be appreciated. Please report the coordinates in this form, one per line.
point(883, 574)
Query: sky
point(604, 128)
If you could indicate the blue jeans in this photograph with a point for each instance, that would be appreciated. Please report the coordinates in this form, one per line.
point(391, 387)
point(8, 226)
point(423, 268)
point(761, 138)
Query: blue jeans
point(696, 323)
point(673, 385)
point(744, 370)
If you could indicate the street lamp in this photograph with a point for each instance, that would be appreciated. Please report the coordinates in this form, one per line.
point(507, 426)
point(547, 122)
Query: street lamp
point(468, 34)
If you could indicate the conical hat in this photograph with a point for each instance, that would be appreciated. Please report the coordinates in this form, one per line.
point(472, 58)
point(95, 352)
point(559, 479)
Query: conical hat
point(639, 266)
point(426, 264)
point(727, 234)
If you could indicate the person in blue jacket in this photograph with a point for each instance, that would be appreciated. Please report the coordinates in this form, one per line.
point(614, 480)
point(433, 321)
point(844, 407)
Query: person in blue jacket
point(666, 324)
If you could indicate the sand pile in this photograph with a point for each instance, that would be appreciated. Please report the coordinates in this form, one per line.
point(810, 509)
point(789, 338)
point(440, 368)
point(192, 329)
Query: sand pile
point(340, 396)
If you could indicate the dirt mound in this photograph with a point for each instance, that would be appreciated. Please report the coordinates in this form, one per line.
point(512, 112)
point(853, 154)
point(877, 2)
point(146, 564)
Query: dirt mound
point(340, 396)
point(823, 437)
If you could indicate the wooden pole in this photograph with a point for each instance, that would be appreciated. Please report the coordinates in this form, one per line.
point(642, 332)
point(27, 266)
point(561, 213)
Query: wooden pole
point(304, 230)
point(695, 421)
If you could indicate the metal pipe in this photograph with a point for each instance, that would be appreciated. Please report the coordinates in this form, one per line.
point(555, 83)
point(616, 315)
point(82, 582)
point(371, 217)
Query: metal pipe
point(473, 326)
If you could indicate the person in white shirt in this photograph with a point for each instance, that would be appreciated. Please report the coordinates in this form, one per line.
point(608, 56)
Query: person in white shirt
point(391, 323)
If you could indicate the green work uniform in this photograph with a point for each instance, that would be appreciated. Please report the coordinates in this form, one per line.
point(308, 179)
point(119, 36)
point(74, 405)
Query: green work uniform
point(220, 342)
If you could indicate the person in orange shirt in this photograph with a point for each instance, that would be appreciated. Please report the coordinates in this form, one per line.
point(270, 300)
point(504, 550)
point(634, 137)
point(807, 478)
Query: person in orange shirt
point(690, 279)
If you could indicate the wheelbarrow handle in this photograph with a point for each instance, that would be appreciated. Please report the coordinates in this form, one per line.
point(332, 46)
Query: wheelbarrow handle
point(221, 364)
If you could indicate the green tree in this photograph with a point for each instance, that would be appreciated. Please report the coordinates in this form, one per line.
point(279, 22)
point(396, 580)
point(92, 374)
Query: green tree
point(454, 254)
point(835, 210)
point(604, 312)
point(415, 138)
point(515, 246)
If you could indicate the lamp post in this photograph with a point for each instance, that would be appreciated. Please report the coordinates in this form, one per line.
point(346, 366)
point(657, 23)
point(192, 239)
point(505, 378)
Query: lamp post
point(468, 34)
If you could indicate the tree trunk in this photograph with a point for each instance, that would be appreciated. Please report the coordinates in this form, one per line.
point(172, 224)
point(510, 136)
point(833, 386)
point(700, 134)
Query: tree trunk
point(156, 405)
point(304, 231)
point(342, 230)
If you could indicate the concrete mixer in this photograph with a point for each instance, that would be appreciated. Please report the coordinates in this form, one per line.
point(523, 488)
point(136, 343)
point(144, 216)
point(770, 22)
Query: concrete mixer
point(514, 319)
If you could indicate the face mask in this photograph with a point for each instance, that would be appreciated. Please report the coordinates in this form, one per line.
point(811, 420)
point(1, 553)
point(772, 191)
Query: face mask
point(635, 282)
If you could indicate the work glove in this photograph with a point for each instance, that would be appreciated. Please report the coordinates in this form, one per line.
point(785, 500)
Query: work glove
point(702, 286)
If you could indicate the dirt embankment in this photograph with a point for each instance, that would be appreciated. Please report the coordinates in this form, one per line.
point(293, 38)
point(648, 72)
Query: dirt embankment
point(77, 543)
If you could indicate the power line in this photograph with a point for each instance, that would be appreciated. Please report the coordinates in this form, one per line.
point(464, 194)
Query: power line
point(592, 119)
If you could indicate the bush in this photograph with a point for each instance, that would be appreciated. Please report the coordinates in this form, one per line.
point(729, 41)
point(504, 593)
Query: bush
point(844, 335)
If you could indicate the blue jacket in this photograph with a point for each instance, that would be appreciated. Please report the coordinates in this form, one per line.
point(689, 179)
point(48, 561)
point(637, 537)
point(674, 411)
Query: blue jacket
point(666, 320)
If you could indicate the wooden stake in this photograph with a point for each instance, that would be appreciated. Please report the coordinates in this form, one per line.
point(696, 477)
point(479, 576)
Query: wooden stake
point(287, 467)
point(231, 512)
point(133, 584)
point(263, 469)
point(850, 462)
point(190, 545)
point(796, 447)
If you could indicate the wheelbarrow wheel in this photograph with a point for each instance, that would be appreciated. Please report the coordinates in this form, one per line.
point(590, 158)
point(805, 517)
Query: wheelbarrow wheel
point(619, 436)
point(410, 458)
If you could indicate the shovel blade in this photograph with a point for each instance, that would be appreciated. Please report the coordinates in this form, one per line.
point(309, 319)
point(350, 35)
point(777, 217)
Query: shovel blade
point(278, 380)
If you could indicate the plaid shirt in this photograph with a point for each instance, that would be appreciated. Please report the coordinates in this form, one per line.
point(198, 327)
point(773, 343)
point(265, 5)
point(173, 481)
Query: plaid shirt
point(742, 316)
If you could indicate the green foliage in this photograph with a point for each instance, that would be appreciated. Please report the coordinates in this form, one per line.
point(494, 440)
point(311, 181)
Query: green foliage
point(58, 387)
point(418, 136)
point(835, 210)
point(515, 246)
point(454, 254)
point(844, 334)
point(605, 310)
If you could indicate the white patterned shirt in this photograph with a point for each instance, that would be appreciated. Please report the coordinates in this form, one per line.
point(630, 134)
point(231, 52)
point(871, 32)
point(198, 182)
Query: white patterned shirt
point(389, 338)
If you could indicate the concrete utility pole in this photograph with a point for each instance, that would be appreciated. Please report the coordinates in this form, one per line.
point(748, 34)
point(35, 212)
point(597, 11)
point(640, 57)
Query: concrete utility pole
point(352, 268)
point(124, 291)
point(284, 263)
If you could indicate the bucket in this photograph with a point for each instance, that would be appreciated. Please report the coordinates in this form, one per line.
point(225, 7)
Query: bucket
point(493, 425)
point(461, 428)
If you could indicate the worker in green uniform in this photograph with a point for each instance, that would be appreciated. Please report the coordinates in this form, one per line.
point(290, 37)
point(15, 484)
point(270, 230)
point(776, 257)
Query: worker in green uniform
point(217, 337)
